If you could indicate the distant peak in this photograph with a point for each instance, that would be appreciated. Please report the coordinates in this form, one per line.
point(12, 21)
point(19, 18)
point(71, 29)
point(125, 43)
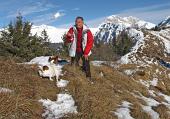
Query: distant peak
point(165, 23)
point(129, 21)
point(168, 17)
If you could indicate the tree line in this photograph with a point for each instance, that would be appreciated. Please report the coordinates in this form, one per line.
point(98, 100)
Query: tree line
point(16, 40)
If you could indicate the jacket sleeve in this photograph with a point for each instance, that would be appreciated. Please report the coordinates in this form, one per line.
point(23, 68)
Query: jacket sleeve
point(69, 38)
point(89, 44)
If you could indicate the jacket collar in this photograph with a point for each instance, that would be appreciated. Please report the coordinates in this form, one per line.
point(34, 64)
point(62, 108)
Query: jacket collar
point(85, 28)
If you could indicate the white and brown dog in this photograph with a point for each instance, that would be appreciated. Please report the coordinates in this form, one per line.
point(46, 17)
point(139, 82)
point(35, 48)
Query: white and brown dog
point(50, 70)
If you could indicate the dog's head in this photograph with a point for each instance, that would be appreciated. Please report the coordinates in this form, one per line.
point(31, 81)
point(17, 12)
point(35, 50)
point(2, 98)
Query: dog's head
point(53, 59)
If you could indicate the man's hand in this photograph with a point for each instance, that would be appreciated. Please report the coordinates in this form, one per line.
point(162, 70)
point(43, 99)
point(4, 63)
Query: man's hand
point(69, 34)
point(86, 57)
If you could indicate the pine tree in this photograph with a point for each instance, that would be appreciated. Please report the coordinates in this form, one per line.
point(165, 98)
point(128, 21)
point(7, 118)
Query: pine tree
point(122, 44)
point(18, 41)
point(44, 36)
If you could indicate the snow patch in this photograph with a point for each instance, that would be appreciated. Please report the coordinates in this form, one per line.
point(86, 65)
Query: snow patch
point(5, 90)
point(150, 103)
point(124, 112)
point(151, 112)
point(129, 72)
point(147, 84)
point(42, 60)
point(62, 83)
point(166, 97)
point(97, 63)
point(154, 82)
point(59, 108)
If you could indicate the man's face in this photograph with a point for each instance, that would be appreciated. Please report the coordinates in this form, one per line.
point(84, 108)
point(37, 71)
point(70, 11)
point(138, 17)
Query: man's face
point(79, 23)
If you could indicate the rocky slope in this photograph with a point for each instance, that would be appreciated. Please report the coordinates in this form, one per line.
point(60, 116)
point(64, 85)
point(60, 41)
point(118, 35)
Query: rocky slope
point(114, 25)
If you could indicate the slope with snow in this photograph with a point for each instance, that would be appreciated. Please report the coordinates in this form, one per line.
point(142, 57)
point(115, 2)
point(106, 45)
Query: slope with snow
point(165, 23)
point(55, 34)
point(147, 49)
point(150, 45)
point(59, 108)
point(64, 104)
point(114, 25)
point(124, 112)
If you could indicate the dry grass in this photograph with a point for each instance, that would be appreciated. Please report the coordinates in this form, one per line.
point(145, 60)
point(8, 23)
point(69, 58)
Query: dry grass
point(162, 110)
point(98, 101)
point(27, 88)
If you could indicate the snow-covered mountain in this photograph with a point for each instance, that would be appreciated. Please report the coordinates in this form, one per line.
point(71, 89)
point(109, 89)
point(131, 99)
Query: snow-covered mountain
point(114, 25)
point(165, 23)
point(151, 48)
point(55, 34)
point(129, 22)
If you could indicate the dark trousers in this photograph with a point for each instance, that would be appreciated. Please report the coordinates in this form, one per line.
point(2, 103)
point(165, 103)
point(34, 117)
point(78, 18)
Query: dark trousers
point(86, 63)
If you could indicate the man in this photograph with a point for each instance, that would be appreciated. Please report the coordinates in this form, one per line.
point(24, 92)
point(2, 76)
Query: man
point(81, 40)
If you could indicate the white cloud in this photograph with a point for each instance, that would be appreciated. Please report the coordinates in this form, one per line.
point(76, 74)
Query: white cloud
point(58, 15)
point(47, 18)
point(31, 8)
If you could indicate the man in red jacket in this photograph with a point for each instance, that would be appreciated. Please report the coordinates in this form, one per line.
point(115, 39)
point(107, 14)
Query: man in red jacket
point(81, 40)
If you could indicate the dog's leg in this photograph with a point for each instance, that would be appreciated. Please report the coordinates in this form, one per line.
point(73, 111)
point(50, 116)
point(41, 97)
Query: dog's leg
point(50, 79)
point(56, 76)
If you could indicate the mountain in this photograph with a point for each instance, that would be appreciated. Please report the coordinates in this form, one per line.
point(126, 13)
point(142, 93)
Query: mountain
point(165, 23)
point(114, 25)
point(55, 34)
point(129, 22)
point(151, 48)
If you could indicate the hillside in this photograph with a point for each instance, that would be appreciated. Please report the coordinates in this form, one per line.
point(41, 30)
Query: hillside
point(55, 34)
point(20, 90)
point(119, 89)
point(137, 86)
point(114, 25)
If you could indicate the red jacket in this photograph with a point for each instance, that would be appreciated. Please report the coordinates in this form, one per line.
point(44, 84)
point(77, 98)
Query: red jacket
point(90, 40)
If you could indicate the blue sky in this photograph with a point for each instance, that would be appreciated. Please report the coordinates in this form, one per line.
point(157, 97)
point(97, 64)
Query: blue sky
point(61, 13)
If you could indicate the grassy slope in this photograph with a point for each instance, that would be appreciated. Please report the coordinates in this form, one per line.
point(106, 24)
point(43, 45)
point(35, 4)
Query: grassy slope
point(28, 89)
point(98, 101)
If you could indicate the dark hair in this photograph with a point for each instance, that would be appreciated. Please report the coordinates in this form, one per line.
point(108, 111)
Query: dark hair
point(79, 18)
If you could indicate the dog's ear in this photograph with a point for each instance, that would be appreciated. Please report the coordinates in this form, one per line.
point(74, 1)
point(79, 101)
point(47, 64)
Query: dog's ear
point(55, 59)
